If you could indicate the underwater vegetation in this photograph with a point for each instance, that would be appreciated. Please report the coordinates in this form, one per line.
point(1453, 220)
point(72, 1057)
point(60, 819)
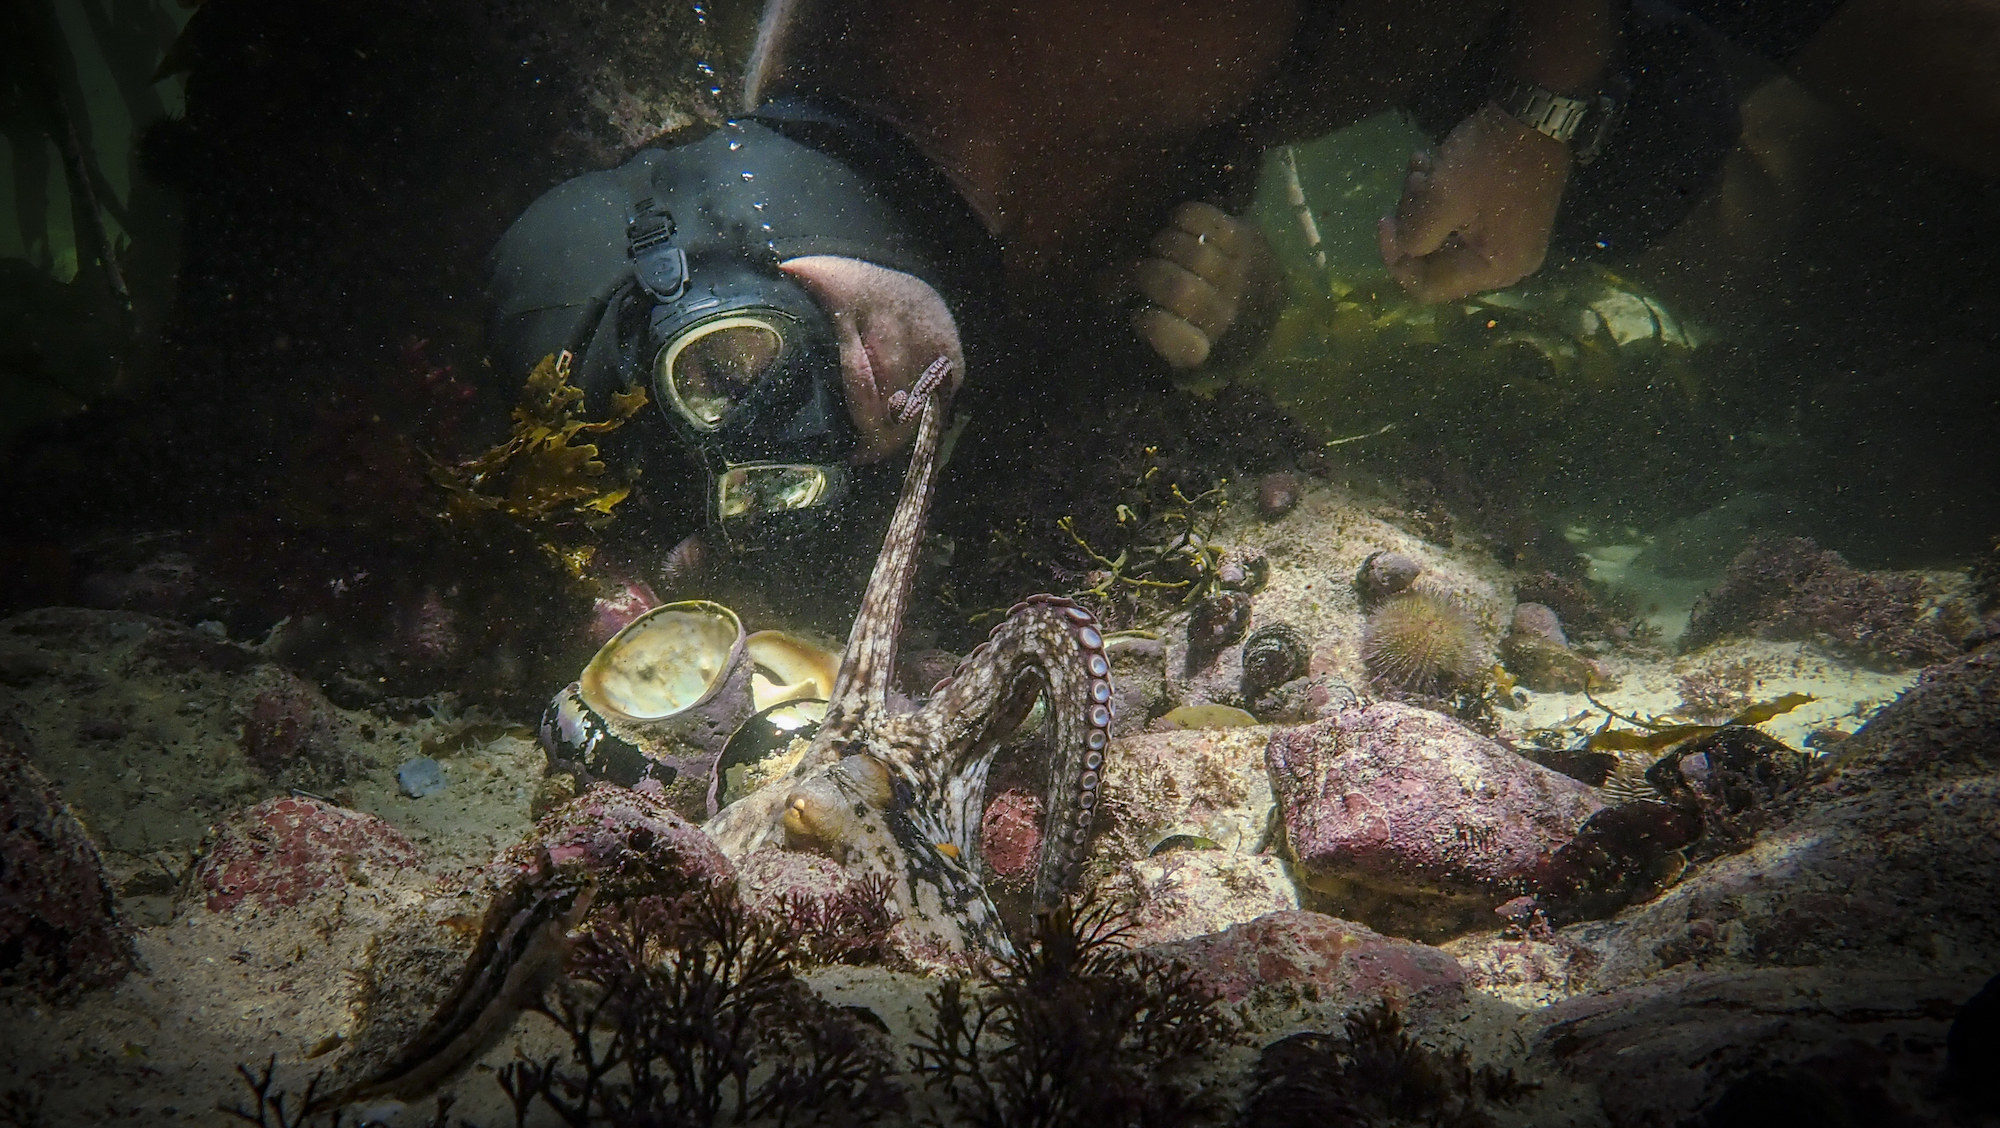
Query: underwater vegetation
point(1074, 1028)
point(1372, 1074)
point(546, 467)
point(691, 1009)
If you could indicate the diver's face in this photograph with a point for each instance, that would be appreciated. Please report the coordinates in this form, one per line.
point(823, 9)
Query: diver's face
point(890, 326)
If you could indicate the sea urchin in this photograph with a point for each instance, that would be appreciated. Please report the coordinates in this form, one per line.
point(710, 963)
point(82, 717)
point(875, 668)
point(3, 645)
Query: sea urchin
point(1419, 642)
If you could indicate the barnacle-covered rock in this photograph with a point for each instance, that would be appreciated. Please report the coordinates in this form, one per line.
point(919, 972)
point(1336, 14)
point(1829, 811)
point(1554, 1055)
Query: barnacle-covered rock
point(1273, 655)
point(288, 850)
point(1408, 820)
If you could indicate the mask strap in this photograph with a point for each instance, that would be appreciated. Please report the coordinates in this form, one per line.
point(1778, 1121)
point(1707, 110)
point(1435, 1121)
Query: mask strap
point(660, 267)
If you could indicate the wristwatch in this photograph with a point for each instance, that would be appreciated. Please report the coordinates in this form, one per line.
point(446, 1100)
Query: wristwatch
point(1560, 117)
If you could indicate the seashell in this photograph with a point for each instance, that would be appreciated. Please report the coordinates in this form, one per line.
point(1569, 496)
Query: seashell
point(767, 745)
point(1385, 574)
point(657, 703)
point(665, 662)
point(1276, 494)
point(1273, 655)
point(1218, 621)
point(787, 668)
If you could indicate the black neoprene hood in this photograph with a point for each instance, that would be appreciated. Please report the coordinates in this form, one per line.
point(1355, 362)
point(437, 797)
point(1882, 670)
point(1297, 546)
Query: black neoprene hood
point(792, 180)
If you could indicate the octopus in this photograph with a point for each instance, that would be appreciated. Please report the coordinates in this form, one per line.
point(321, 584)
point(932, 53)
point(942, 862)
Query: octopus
point(889, 790)
point(900, 791)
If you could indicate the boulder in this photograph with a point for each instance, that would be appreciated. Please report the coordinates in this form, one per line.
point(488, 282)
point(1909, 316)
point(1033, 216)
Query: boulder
point(284, 851)
point(1415, 823)
point(1338, 962)
point(59, 928)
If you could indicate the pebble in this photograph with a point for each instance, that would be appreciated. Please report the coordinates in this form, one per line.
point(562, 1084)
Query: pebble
point(420, 776)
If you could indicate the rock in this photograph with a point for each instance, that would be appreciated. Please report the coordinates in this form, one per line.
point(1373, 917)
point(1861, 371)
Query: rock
point(420, 776)
point(1344, 962)
point(1547, 666)
point(293, 734)
point(285, 851)
point(635, 842)
point(1872, 866)
point(1409, 820)
point(1010, 836)
point(1853, 1048)
point(1186, 893)
point(1205, 782)
point(59, 928)
point(1949, 722)
point(1790, 588)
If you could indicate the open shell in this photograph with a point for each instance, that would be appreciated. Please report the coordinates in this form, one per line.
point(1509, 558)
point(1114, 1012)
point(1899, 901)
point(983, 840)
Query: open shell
point(787, 668)
point(665, 662)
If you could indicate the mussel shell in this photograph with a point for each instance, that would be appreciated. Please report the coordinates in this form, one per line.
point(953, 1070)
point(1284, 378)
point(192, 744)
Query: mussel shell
point(665, 662)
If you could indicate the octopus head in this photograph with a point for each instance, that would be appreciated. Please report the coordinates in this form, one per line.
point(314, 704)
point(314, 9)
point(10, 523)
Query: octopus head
point(838, 810)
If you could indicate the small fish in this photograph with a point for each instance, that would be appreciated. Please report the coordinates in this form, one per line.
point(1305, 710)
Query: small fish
point(520, 950)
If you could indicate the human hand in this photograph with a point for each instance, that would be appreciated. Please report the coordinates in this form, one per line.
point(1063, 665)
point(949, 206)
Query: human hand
point(1477, 215)
point(1202, 272)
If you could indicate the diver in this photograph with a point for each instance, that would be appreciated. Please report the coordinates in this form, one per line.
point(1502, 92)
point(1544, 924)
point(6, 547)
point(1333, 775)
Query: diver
point(921, 184)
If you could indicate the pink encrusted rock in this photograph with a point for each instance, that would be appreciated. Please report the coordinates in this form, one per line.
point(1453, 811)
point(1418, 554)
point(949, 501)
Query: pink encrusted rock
point(1010, 834)
point(1411, 821)
point(1348, 963)
point(632, 841)
point(59, 932)
point(283, 851)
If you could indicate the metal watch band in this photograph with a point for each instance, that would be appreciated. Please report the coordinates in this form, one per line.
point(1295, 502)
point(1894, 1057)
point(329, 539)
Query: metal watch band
point(1546, 112)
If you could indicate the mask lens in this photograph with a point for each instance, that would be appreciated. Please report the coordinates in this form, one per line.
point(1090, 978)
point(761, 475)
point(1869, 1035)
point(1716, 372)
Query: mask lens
point(709, 368)
point(742, 491)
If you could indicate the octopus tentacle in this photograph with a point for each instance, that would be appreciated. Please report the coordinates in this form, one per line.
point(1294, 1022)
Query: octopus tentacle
point(1060, 643)
point(868, 663)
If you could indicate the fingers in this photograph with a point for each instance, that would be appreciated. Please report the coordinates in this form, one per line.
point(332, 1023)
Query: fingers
point(1206, 261)
point(1213, 226)
point(1194, 282)
point(1428, 211)
point(1181, 292)
point(1178, 343)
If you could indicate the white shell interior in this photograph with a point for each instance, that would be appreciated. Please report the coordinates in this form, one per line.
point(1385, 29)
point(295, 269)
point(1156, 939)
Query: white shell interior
point(667, 661)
